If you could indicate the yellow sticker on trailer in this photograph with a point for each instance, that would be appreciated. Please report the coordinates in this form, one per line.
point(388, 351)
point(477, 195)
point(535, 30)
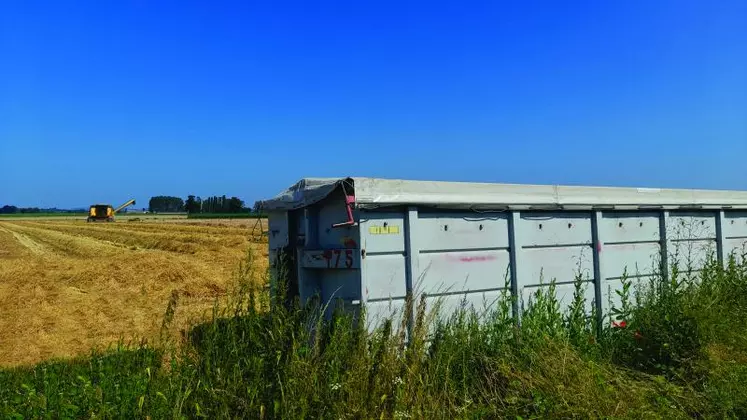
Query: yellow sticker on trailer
point(383, 230)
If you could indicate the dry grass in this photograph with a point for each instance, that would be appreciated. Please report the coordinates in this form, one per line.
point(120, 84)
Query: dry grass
point(67, 286)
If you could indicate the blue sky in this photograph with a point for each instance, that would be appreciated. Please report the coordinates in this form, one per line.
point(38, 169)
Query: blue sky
point(244, 98)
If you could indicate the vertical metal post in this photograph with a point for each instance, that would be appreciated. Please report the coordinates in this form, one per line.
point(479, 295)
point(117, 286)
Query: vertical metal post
point(311, 226)
point(308, 282)
point(599, 277)
point(514, 250)
point(412, 265)
point(360, 216)
point(723, 259)
point(664, 243)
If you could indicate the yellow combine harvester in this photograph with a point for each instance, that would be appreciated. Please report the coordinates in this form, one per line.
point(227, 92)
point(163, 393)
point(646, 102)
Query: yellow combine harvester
point(105, 212)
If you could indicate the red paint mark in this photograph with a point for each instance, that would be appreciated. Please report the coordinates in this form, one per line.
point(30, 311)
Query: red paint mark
point(470, 259)
point(349, 242)
point(599, 246)
point(480, 258)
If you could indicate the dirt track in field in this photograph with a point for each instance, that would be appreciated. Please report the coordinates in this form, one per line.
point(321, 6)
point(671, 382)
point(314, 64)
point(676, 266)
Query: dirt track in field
point(67, 286)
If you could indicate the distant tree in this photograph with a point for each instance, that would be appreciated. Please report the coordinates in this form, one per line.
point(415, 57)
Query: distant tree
point(6, 209)
point(219, 204)
point(166, 204)
point(235, 205)
point(193, 204)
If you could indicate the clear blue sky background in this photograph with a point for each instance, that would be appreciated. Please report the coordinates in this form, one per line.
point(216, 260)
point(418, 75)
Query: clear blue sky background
point(103, 101)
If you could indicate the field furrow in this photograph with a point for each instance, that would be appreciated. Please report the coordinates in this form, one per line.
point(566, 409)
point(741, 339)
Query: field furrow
point(173, 226)
point(157, 240)
point(208, 232)
point(28, 242)
point(10, 246)
point(54, 242)
point(67, 286)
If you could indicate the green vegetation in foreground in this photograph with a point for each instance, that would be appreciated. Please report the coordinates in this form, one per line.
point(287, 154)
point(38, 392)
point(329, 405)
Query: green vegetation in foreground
point(246, 215)
point(681, 352)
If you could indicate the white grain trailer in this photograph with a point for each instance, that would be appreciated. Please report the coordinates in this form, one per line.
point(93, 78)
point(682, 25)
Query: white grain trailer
point(372, 241)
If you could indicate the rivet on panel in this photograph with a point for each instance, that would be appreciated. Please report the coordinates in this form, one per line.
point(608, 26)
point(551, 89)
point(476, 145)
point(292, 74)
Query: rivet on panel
point(620, 224)
point(386, 224)
point(480, 227)
point(540, 226)
point(446, 228)
point(570, 225)
point(640, 224)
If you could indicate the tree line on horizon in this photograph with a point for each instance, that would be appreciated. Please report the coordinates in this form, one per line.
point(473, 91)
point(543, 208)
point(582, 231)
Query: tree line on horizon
point(10, 209)
point(196, 204)
point(161, 204)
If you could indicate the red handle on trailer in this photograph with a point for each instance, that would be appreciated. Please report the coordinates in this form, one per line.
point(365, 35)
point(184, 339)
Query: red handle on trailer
point(349, 201)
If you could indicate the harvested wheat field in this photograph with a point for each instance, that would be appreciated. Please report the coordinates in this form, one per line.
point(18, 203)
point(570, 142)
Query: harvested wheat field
point(67, 286)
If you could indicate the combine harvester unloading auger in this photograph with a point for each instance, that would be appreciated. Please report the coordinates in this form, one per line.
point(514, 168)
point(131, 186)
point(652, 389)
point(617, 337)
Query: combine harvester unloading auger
point(105, 212)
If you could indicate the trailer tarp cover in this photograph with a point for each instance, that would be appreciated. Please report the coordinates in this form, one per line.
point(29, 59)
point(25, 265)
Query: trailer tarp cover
point(377, 192)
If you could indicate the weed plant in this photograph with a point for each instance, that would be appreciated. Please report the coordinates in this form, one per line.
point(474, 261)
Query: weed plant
point(674, 347)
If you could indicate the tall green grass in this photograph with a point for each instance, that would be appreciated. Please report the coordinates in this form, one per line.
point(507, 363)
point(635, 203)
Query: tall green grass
point(677, 349)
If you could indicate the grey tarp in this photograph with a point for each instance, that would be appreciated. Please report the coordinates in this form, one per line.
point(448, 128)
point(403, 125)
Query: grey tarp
point(374, 192)
point(303, 193)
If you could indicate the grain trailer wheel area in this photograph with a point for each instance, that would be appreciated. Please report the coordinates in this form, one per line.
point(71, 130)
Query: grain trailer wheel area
point(368, 241)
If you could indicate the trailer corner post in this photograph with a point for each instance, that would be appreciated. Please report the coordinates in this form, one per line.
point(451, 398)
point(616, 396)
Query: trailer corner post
point(412, 262)
point(723, 259)
point(514, 249)
point(599, 276)
point(664, 243)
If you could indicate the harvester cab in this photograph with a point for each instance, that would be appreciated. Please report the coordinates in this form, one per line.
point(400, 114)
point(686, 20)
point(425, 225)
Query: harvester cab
point(105, 212)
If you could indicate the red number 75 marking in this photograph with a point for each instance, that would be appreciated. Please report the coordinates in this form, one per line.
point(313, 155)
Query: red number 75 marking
point(336, 263)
